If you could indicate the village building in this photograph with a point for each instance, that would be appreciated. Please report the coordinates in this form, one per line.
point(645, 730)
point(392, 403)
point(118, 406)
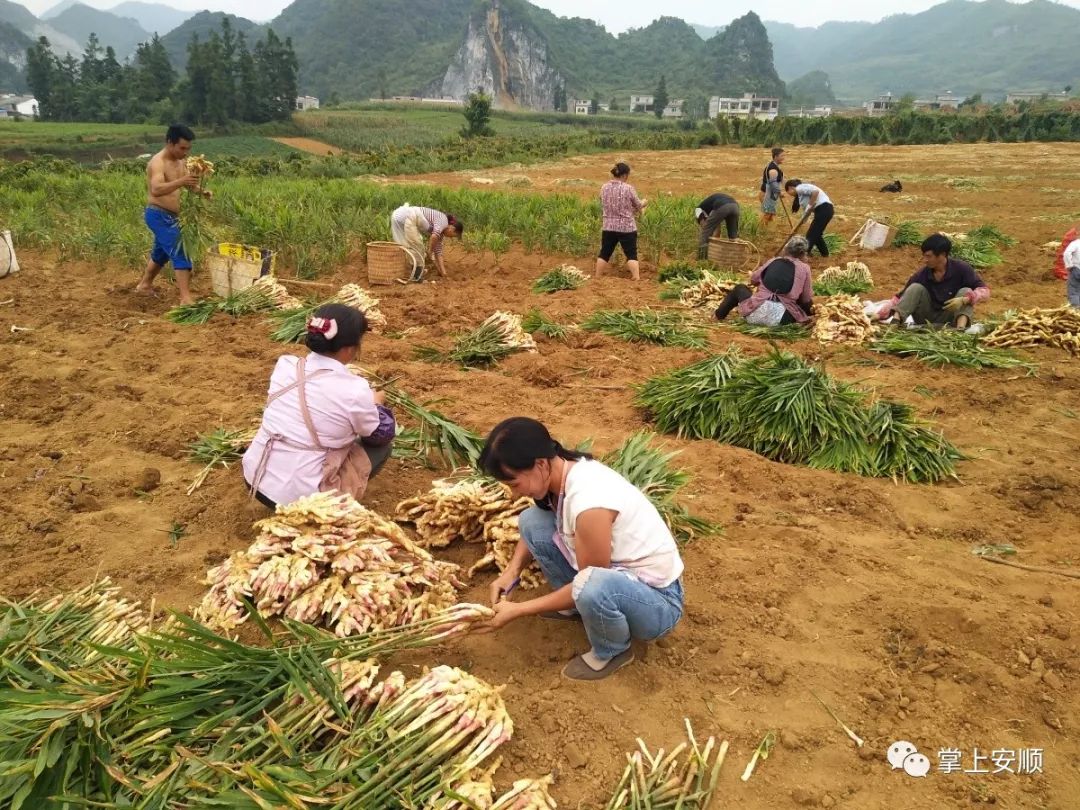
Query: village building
point(748, 105)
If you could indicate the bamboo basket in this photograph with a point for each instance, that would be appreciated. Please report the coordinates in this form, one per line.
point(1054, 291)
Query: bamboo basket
point(236, 267)
point(732, 254)
point(388, 262)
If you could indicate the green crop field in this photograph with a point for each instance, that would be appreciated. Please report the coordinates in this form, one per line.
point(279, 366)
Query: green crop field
point(374, 127)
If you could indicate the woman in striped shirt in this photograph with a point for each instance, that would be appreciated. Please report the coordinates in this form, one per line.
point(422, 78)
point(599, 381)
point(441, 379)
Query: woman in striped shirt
point(409, 224)
point(621, 206)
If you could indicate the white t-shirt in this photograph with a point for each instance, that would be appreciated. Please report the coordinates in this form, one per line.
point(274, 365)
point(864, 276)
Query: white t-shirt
point(1072, 254)
point(641, 542)
point(806, 190)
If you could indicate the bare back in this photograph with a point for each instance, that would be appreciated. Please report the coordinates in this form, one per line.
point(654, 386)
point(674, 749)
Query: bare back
point(160, 170)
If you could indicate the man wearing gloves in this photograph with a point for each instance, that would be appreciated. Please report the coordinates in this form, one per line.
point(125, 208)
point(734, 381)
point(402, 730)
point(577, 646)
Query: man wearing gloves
point(943, 293)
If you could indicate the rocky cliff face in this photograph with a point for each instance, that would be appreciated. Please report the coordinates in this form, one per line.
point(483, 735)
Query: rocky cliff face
point(504, 58)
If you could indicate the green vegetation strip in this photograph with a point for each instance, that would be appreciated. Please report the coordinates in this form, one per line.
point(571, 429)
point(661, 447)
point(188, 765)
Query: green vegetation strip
point(787, 410)
point(941, 347)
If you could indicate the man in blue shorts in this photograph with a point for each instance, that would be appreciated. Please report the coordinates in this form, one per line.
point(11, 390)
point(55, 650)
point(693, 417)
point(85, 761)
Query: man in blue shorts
point(166, 174)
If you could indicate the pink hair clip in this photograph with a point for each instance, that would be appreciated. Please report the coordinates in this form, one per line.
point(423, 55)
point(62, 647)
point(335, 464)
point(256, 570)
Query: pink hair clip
point(327, 327)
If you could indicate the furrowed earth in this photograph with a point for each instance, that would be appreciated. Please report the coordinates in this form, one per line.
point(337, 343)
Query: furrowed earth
point(860, 591)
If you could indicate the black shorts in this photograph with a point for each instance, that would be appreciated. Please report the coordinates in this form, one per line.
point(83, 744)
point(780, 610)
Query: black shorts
point(609, 239)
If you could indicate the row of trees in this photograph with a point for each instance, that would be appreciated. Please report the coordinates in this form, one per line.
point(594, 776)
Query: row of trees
point(225, 81)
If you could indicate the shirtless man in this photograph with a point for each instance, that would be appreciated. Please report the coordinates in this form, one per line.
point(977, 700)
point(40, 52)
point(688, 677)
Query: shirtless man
point(166, 174)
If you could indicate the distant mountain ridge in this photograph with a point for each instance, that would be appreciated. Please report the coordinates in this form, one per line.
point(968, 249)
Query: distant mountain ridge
point(79, 21)
point(203, 25)
point(355, 49)
point(990, 47)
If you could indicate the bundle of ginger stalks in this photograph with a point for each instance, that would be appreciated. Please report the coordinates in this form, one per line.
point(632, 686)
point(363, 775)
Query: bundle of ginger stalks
point(328, 561)
point(177, 716)
point(473, 510)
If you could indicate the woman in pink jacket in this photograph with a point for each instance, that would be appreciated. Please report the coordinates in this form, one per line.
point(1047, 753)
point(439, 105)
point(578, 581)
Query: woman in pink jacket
point(784, 294)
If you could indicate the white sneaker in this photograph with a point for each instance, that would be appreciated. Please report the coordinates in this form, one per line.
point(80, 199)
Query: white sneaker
point(975, 329)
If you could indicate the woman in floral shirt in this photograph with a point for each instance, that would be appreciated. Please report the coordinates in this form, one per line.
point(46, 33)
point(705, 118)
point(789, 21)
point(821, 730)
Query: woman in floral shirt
point(621, 206)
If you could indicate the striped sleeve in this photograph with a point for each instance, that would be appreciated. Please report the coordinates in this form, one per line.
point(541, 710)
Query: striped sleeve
point(439, 223)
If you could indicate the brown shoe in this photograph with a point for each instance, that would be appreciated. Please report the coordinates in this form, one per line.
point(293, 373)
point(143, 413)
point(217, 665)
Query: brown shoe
point(578, 670)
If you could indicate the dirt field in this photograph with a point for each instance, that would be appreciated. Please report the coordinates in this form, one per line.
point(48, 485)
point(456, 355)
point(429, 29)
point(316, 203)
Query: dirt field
point(861, 591)
point(308, 145)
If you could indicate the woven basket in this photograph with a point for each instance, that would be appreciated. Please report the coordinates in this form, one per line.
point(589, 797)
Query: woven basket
point(731, 254)
point(236, 267)
point(388, 262)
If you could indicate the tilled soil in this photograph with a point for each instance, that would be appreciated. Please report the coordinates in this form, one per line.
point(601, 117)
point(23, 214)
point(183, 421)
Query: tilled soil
point(862, 592)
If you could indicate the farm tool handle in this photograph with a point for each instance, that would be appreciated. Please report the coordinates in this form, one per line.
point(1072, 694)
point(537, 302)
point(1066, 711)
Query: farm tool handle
point(783, 244)
point(787, 212)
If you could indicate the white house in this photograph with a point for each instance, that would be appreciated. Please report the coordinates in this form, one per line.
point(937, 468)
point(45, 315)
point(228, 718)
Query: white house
point(882, 105)
point(11, 105)
point(948, 101)
point(641, 103)
point(307, 103)
point(821, 111)
point(582, 106)
point(674, 109)
point(748, 105)
point(1014, 98)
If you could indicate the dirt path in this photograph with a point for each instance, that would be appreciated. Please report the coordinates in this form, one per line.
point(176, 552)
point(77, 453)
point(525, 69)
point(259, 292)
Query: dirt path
point(310, 146)
point(862, 591)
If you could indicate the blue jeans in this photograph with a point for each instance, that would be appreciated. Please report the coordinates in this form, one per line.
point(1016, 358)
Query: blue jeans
point(615, 606)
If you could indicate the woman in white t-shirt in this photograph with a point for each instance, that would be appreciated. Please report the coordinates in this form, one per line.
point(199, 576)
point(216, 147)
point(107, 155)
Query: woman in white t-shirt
point(604, 549)
point(814, 202)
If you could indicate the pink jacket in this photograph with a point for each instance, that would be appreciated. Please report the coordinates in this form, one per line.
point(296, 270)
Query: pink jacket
point(802, 292)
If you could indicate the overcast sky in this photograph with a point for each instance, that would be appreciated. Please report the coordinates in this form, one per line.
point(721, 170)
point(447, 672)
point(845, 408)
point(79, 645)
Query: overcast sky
point(615, 15)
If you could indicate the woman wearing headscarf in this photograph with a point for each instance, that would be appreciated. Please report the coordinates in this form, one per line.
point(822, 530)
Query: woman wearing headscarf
point(784, 290)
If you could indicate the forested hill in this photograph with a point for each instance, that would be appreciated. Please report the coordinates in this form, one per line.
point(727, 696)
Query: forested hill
point(363, 48)
point(988, 47)
point(203, 25)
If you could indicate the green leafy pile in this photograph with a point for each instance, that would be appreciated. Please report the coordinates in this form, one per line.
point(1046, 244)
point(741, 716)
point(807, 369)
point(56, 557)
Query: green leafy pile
point(649, 469)
point(940, 347)
point(99, 709)
point(647, 326)
point(535, 321)
point(787, 410)
point(907, 233)
point(563, 277)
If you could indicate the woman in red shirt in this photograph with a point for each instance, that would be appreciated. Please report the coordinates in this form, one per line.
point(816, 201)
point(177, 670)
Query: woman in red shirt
point(621, 206)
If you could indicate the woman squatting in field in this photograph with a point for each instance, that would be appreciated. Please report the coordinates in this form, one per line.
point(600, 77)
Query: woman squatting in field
point(323, 428)
point(608, 556)
point(784, 294)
